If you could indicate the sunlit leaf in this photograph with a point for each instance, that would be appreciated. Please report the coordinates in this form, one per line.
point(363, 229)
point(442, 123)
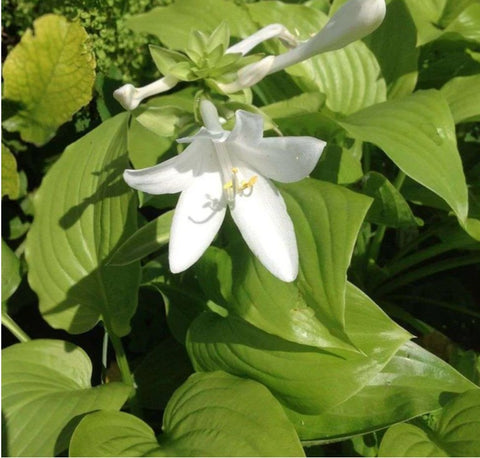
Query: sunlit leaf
point(413, 383)
point(463, 97)
point(46, 388)
point(83, 212)
point(212, 414)
point(10, 176)
point(50, 74)
point(304, 378)
point(455, 434)
point(418, 134)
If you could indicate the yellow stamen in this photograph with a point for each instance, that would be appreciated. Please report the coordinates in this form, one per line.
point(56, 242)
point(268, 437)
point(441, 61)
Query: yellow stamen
point(228, 185)
point(248, 184)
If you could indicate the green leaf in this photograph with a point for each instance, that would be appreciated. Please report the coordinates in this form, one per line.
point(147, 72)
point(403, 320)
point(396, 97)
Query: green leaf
point(11, 276)
point(389, 207)
point(45, 389)
point(83, 212)
point(304, 378)
point(310, 311)
point(413, 383)
point(165, 58)
point(338, 165)
point(349, 77)
point(212, 414)
point(394, 46)
point(463, 97)
point(466, 23)
point(418, 134)
point(50, 74)
point(426, 15)
point(160, 373)
point(146, 240)
point(180, 18)
point(455, 434)
point(10, 176)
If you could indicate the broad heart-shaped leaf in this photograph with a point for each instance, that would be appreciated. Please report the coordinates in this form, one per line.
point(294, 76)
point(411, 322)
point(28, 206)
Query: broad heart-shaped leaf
point(455, 434)
point(304, 378)
point(349, 77)
point(146, 240)
point(50, 74)
point(463, 97)
point(413, 383)
point(426, 15)
point(83, 212)
point(10, 176)
point(213, 414)
point(46, 387)
point(310, 311)
point(172, 24)
point(418, 134)
point(11, 277)
point(389, 206)
point(394, 46)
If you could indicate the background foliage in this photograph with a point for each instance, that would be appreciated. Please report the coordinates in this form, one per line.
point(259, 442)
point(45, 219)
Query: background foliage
point(373, 350)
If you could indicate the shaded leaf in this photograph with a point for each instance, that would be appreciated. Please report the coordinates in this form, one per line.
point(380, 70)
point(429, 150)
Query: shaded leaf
point(50, 74)
point(11, 276)
point(212, 414)
point(84, 211)
point(45, 389)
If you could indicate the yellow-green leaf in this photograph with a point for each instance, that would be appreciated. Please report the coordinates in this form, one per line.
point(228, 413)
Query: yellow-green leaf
point(50, 75)
point(10, 177)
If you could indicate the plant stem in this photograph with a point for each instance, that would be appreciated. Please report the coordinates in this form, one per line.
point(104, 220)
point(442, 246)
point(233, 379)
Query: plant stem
point(127, 376)
point(426, 271)
point(14, 328)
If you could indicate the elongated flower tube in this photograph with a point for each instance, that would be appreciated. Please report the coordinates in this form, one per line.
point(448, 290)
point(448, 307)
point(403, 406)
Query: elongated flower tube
point(353, 21)
point(221, 169)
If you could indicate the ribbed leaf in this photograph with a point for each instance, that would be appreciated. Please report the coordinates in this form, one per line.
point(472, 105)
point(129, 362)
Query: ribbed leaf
point(455, 434)
point(413, 383)
point(212, 414)
point(10, 272)
point(45, 389)
point(304, 378)
point(50, 74)
point(83, 212)
point(418, 134)
point(463, 97)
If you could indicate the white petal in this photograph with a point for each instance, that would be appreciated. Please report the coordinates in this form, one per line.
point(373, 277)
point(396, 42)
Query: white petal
point(248, 128)
point(353, 21)
point(175, 174)
point(198, 216)
point(204, 134)
point(285, 159)
point(261, 215)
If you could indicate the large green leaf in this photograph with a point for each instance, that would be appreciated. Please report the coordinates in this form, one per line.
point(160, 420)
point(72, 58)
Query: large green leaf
point(349, 77)
point(50, 74)
point(463, 97)
point(418, 134)
point(394, 45)
point(46, 387)
point(455, 434)
point(83, 212)
point(10, 272)
point(466, 24)
point(212, 414)
point(304, 378)
point(413, 383)
point(172, 24)
point(310, 311)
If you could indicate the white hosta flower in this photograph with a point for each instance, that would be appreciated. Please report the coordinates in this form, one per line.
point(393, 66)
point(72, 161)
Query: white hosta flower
point(221, 169)
point(353, 21)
